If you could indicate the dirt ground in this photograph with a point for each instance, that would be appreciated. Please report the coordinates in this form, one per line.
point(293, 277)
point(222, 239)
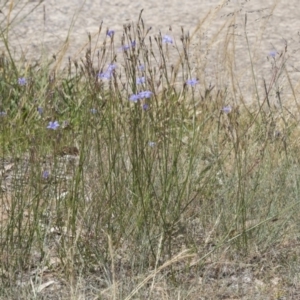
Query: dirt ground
point(271, 25)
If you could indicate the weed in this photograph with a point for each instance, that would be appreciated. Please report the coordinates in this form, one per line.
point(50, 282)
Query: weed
point(125, 175)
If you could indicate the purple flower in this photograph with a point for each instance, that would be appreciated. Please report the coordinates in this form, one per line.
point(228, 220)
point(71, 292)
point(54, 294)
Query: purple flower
point(40, 110)
point(111, 67)
point(192, 82)
point(3, 113)
point(140, 80)
point(227, 109)
point(127, 47)
point(145, 106)
point(140, 95)
point(152, 144)
point(53, 125)
point(93, 111)
point(22, 81)
point(145, 94)
point(104, 75)
point(272, 53)
point(167, 39)
point(134, 98)
point(110, 33)
point(46, 175)
point(141, 67)
point(108, 73)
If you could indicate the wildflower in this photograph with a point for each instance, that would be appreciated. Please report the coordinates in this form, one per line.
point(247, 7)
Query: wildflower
point(140, 95)
point(104, 75)
point(227, 109)
point(152, 144)
point(127, 47)
point(3, 113)
point(110, 33)
point(108, 73)
point(145, 106)
point(53, 125)
point(192, 82)
point(45, 175)
point(272, 53)
point(134, 98)
point(145, 94)
point(22, 81)
point(141, 67)
point(167, 39)
point(40, 110)
point(111, 67)
point(93, 110)
point(140, 80)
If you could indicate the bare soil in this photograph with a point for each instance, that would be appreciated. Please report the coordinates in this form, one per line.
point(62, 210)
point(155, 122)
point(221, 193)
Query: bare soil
point(270, 25)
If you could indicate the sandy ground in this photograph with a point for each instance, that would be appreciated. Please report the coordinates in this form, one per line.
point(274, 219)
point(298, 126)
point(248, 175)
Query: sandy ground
point(271, 25)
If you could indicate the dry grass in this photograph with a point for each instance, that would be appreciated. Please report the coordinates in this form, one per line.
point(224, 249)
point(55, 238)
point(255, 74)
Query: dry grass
point(195, 197)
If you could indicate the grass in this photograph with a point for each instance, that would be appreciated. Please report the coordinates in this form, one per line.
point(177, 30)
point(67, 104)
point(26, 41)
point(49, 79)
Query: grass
point(184, 193)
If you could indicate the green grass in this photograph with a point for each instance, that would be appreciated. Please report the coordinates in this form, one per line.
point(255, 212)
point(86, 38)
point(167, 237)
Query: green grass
point(176, 201)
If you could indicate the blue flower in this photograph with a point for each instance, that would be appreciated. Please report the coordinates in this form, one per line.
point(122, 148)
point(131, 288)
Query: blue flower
point(141, 95)
point(145, 94)
point(40, 110)
point(145, 106)
point(127, 47)
point(108, 73)
point(93, 111)
point(140, 80)
point(111, 67)
point(227, 109)
point(141, 67)
point(53, 125)
point(167, 39)
point(3, 113)
point(152, 144)
point(22, 81)
point(45, 175)
point(192, 82)
point(272, 53)
point(104, 75)
point(110, 33)
point(134, 98)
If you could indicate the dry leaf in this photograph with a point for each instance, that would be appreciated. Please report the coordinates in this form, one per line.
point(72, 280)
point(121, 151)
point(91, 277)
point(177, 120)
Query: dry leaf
point(45, 285)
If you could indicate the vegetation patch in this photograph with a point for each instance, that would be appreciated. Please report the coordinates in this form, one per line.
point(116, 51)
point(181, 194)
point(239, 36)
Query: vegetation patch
point(126, 175)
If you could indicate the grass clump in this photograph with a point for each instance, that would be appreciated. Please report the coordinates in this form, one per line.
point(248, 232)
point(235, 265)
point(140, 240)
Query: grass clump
point(125, 176)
